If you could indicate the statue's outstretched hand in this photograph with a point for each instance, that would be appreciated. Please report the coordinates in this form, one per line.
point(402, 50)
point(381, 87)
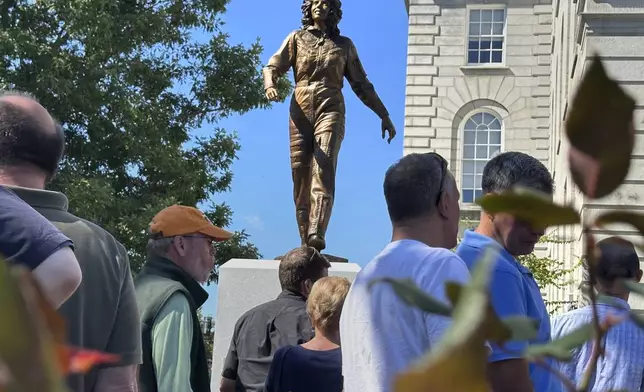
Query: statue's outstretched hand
point(272, 94)
point(388, 127)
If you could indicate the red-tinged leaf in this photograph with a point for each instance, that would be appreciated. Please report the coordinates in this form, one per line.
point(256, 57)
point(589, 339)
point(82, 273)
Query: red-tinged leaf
point(82, 361)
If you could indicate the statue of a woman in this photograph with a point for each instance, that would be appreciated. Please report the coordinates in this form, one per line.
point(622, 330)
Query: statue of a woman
point(320, 58)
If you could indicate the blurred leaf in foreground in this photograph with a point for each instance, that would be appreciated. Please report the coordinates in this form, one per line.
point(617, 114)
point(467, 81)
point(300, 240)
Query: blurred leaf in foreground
point(601, 133)
point(458, 363)
point(635, 287)
point(82, 361)
point(407, 291)
point(631, 218)
point(26, 343)
point(561, 348)
point(529, 206)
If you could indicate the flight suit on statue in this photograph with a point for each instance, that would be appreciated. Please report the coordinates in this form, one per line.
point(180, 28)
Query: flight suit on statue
point(317, 115)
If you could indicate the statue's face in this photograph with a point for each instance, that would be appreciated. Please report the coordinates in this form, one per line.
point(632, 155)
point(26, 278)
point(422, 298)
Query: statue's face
point(320, 9)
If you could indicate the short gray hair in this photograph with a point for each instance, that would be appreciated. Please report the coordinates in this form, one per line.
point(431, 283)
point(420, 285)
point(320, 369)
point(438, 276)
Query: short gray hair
point(159, 245)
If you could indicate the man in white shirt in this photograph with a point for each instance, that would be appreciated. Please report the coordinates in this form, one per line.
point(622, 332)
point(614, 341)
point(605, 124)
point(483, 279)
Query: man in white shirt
point(382, 336)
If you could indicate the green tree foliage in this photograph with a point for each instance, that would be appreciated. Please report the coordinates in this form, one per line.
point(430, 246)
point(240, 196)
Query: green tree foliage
point(131, 82)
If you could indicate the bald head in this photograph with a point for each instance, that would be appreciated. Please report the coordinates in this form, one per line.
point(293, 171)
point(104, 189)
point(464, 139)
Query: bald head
point(29, 136)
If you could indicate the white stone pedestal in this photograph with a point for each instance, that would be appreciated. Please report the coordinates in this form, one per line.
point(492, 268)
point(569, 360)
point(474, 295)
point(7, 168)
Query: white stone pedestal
point(244, 284)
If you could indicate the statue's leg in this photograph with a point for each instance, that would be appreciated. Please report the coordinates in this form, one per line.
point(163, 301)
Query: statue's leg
point(301, 141)
point(327, 142)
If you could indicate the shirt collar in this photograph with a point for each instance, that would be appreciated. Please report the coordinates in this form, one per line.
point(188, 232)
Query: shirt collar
point(40, 198)
point(614, 302)
point(291, 295)
point(480, 241)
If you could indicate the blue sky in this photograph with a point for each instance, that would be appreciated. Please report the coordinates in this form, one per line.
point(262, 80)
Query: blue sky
point(261, 195)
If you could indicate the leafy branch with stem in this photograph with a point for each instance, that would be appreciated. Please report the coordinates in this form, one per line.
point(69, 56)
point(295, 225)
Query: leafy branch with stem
point(601, 133)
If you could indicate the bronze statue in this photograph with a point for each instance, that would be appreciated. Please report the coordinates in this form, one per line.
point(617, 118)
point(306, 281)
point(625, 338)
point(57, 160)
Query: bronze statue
point(321, 58)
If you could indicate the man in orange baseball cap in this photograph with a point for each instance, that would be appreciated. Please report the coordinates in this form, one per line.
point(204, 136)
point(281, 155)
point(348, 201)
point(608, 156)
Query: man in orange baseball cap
point(180, 257)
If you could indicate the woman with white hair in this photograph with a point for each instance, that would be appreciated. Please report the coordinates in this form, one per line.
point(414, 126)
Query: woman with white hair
point(315, 366)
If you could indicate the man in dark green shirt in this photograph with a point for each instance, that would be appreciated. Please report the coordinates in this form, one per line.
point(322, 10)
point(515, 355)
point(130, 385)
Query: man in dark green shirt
point(102, 314)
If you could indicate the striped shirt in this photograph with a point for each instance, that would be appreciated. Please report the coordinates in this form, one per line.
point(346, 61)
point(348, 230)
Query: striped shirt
point(623, 365)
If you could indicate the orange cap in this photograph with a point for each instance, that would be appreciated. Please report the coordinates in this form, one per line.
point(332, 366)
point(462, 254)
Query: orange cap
point(181, 220)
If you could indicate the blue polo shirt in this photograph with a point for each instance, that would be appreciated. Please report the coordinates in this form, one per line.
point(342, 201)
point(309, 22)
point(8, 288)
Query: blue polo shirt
point(514, 292)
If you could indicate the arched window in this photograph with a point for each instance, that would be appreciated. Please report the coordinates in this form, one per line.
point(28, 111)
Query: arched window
point(481, 142)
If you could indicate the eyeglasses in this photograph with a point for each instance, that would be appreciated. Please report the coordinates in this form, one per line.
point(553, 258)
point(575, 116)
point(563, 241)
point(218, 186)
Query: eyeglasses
point(210, 239)
point(443, 163)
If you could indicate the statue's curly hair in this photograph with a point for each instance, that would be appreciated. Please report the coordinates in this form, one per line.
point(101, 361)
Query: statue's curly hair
point(335, 15)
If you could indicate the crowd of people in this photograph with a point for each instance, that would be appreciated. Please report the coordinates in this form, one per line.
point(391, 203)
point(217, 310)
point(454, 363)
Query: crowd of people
point(322, 333)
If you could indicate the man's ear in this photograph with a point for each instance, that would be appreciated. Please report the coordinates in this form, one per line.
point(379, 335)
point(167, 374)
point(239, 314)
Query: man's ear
point(443, 205)
point(179, 244)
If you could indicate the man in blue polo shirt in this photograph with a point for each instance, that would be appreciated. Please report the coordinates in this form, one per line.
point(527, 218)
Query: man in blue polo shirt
point(514, 292)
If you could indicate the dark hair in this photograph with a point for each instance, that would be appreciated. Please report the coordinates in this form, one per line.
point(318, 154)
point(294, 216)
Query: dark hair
point(28, 139)
point(618, 260)
point(511, 169)
point(413, 184)
point(333, 20)
point(301, 264)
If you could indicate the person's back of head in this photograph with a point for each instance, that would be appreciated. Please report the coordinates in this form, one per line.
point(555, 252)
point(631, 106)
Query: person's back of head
point(300, 268)
point(501, 174)
point(31, 142)
point(324, 305)
point(618, 261)
point(422, 200)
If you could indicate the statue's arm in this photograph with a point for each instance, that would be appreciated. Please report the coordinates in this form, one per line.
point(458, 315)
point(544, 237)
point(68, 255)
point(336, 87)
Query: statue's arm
point(279, 64)
point(361, 85)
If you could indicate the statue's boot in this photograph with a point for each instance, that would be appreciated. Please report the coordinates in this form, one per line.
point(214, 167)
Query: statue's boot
point(302, 216)
point(317, 241)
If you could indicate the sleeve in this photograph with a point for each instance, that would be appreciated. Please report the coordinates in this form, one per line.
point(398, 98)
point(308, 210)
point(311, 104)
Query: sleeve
point(361, 85)
point(453, 269)
point(171, 344)
point(281, 61)
point(26, 237)
point(232, 360)
point(125, 339)
point(508, 299)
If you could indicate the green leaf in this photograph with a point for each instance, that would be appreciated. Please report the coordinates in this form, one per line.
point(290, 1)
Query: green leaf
point(458, 363)
point(601, 132)
point(634, 219)
point(522, 328)
point(409, 292)
point(529, 206)
point(637, 318)
point(561, 348)
point(635, 287)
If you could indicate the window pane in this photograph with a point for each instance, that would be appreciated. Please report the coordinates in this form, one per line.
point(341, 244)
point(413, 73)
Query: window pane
point(479, 167)
point(470, 125)
point(477, 194)
point(481, 152)
point(468, 182)
point(481, 137)
point(477, 182)
point(486, 28)
point(475, 29)
point(473, 57)
point(467, 196)
point(499, 15)
point(497, 43)
point(486, 118)
point(485, 57)
point(469, 137)
point(468, 167)
point(494, 150)
point(497, 28)
point(473, 44)
point(497, 56)
point(486, 15)
point(486, 43)
point(494, 124)
point(468, 152)
point(477, 118)
point(475, 15)
point(495, 137)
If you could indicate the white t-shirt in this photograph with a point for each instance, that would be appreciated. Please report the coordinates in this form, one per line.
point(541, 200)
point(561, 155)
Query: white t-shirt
point(381, 336)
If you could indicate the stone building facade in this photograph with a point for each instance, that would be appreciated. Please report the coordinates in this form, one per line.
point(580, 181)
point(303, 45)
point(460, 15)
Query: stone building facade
point(485, 76)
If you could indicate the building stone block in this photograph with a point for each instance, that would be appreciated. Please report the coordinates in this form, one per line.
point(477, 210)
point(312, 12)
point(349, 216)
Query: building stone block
point(424, 10)
point(521, 40)
point(422, 20)
point(541, 70)
point(542, 49)
point(519, 50)
point(541, 92)
point(525, 82)
point(420, 111)
point(423, 30)
point(420, 60)
point(521, 20)
point(518, 30)
point(422, 122)
point(448, 20)
point(540, 9)
point(521, 61)
point(545, 40)
point(431, 91)
point(420, 40)
point(438, 122)
point(450, 41)
point(542, 29)
point(419, 101)
point(454, 61)
point(522, 71)
point(421, 80)
point(424, 70)
point(236, 296)
point(543, 81)
point(443, 81)
point(545, 18)
point(416, 142)
point(544, 60)
point(447, 31)
point(484, 87)
point(420, 132)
